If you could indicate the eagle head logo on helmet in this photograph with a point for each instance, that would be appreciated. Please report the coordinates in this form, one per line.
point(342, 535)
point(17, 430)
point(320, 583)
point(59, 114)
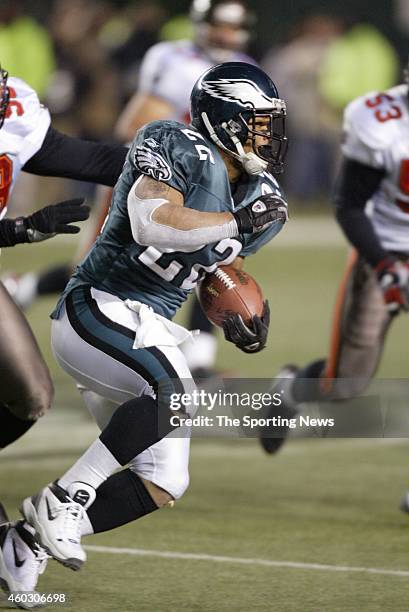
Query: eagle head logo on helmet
point(229, 102)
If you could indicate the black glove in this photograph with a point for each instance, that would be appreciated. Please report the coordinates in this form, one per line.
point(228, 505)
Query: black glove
point(249, 340)
point(55, 219)
point(393, 277)
point(260, 213)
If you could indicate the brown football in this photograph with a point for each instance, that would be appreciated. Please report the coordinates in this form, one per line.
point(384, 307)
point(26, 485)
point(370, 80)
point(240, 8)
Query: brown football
point(228, 291)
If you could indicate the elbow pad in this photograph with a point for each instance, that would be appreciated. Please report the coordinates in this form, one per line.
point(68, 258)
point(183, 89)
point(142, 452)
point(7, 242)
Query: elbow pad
point(148, 232)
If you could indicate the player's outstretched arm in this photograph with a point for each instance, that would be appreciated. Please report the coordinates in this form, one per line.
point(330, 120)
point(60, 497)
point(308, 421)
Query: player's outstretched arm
point(75, 158)
point(44, 224)
point(158, 217)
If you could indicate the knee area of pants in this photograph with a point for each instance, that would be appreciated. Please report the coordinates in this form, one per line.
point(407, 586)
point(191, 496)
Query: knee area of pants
point(178, 486)
point(173, 484)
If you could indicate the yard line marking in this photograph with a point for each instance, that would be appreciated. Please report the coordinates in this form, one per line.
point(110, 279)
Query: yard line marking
point(141, 552)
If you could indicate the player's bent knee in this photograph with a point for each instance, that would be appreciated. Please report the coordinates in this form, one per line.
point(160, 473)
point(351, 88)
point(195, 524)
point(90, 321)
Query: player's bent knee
point(159, 495)
point(182, 488)
point(178, 485)
point(164, 488)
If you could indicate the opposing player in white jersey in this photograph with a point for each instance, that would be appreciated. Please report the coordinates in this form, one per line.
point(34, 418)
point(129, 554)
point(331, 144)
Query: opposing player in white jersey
point(372, 207)
point(28, 142)
point(22, 134)
point(222, 29)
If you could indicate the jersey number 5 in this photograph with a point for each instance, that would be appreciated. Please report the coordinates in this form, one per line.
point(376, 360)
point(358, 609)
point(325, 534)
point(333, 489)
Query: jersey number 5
point(14, 105)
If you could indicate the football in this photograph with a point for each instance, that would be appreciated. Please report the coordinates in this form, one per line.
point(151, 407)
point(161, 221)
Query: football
point(229, 291)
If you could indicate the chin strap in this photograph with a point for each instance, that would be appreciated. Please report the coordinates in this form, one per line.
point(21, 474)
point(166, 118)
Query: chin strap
point(251, 163)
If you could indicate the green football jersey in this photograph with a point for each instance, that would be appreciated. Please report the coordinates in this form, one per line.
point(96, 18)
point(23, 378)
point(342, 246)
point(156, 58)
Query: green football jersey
point(178, 155)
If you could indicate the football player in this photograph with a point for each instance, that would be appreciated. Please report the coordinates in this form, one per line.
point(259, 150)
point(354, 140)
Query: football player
point(222, 29)
point(190, 198)
point(371, 200)
point(28, 142)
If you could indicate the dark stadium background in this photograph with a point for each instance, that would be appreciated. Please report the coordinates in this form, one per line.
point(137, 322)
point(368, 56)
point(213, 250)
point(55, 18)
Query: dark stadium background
point(279, 15)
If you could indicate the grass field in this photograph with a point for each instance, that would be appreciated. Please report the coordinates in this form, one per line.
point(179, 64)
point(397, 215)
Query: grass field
point(301, 532)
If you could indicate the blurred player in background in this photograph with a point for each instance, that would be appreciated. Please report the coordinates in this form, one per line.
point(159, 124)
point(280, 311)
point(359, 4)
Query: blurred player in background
point(189, 199)
point(371, 201)
point(222, 30)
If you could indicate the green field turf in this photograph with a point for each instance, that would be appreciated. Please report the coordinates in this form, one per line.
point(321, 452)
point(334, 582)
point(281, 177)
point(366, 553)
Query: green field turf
point(332, 503)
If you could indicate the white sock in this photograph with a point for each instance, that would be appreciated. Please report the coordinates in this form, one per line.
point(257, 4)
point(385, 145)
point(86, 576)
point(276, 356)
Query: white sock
point(93, 468)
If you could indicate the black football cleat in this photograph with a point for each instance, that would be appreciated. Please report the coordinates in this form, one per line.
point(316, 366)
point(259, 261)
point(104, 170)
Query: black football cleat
point(270, 444)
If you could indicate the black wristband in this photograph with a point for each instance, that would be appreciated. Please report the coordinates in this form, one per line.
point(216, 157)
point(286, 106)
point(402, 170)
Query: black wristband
point(12, 231)
point(243, 221)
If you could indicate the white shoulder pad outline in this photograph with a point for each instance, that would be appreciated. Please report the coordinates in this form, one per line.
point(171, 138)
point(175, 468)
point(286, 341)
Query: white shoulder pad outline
point(361, 119)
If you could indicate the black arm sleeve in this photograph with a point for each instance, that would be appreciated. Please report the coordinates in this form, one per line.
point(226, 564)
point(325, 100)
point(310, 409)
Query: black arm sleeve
point(74, 158)
point(355, 185)
point(8, 234)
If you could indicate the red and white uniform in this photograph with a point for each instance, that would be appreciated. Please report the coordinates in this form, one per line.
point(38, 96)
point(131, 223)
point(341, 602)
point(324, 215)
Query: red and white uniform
point(170, 69)
point(21, 136)
point(377, 134)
